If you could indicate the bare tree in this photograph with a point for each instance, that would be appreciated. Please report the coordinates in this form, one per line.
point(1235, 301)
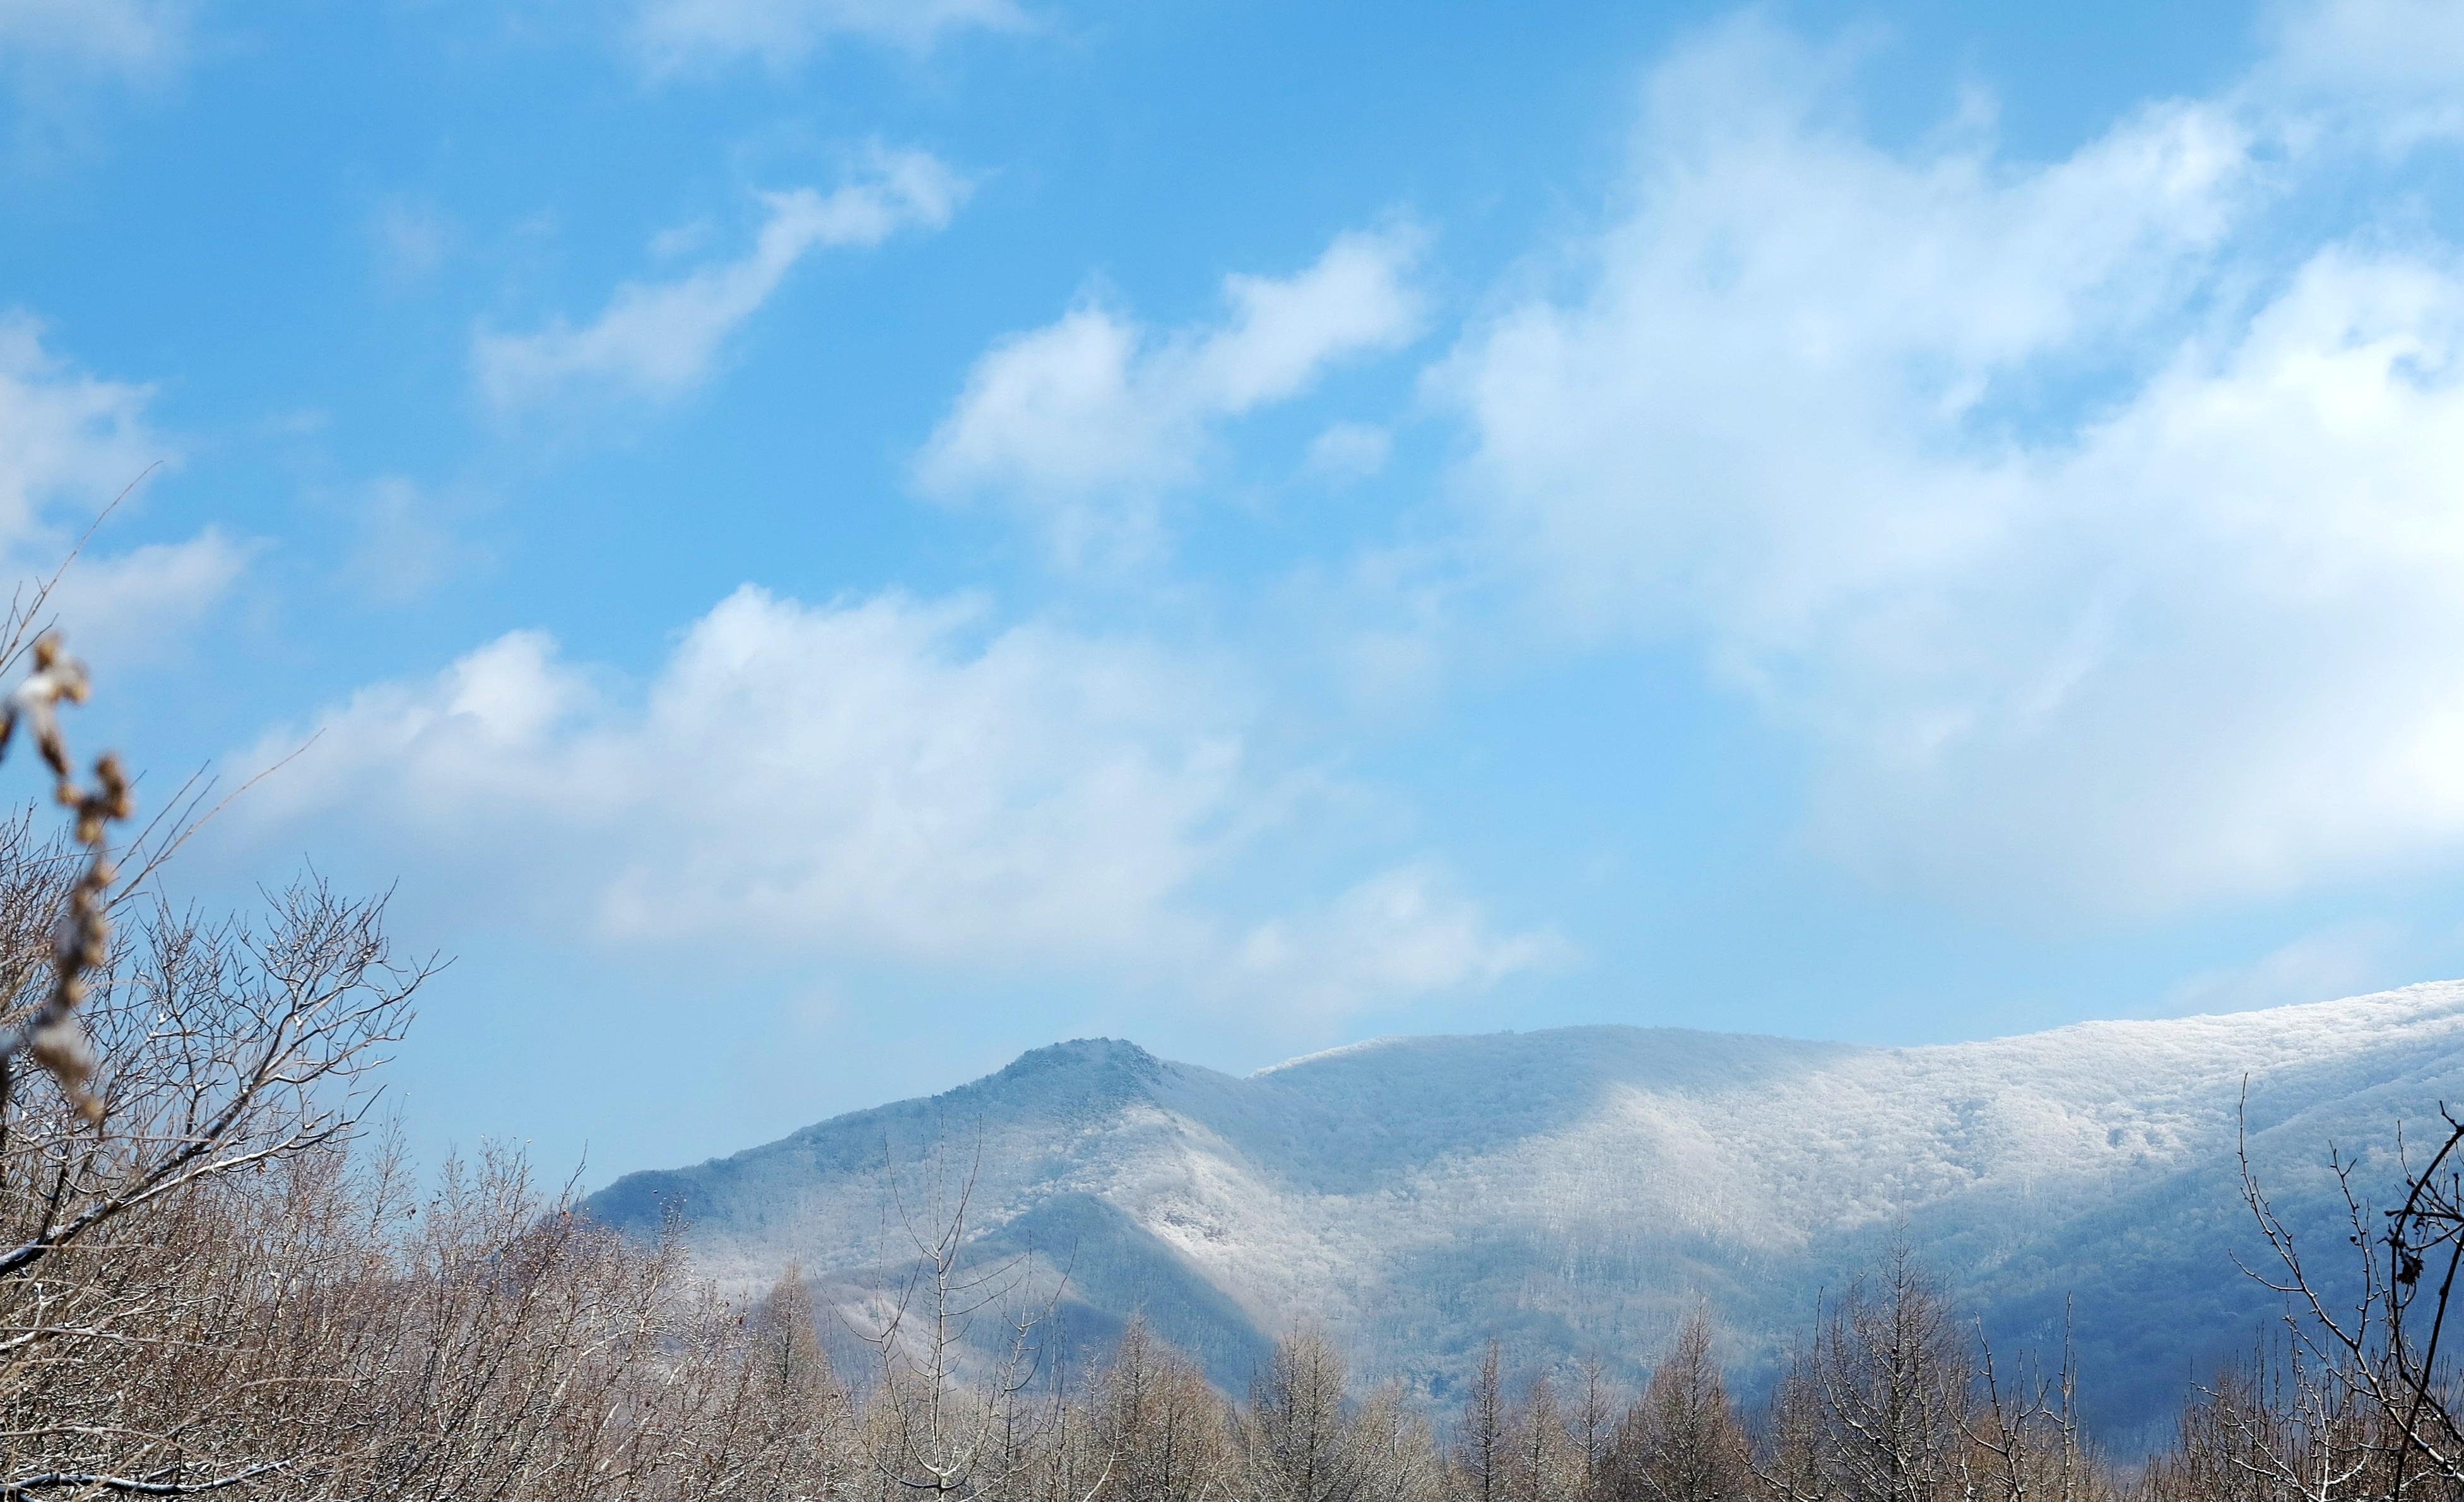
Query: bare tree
point(808, 1409)
point(1294, 1429)
point(2367, 1364)
point(1398, 1456)
point(228, 1059)
point(2022, 1430)
point(1871, 1409)
point(1594, 1422)
point(1681, 1442)
point(1543, 1463)
point(1169, 1431)
point(2269, 1429)
point(954, 1414)
point(1482, 1444)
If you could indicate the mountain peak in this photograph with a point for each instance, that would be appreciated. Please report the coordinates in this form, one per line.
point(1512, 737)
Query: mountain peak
point(1082, 1053)
point(1079, 1078)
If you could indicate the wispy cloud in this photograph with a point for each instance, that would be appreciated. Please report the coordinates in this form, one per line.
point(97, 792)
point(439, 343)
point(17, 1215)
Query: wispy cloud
point(674, 36)
point(411, 239)
point(2389, 72)
point(1349, 451)
point(1081, 423)
point(144, 605)
point(2332, 963)
point(136, 39)
point(69, 441)
point(658, 340)
point(65, 435)
point(1399, 935)
point(405, 547)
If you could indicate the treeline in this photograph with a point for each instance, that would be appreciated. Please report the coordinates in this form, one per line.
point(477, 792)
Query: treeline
point(1888, 1397)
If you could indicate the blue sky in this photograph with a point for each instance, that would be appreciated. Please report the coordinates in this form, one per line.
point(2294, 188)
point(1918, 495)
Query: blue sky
point(826, 542)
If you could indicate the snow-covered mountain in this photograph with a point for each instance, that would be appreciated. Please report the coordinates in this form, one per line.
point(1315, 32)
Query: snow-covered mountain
point(1579, 1188)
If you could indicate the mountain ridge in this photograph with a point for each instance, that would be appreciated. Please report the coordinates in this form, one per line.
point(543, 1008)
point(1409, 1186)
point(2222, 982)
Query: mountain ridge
point(1573, 1188)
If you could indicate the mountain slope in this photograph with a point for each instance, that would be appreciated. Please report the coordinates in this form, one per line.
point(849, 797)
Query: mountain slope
point(1581, 1187)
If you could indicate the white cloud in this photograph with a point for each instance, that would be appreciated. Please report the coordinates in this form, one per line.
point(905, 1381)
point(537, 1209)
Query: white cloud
point(2236, 680)
point(69, 443)
point(405, 547)
point(2183, 639)
point(886, 780)
point(121, 609)
point(64, 435)
point(697, 36)
point(2345, 960)
point(1739, 416)
point(2392, 71)
point(1402, 934)
point(1349, 451)
point(141, 39)
point(1083, 423)
point(658, 340)
point(411, 239)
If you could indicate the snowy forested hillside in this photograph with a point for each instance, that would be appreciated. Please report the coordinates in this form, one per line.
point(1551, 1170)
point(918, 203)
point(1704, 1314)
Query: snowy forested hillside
point(1579, 1188)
